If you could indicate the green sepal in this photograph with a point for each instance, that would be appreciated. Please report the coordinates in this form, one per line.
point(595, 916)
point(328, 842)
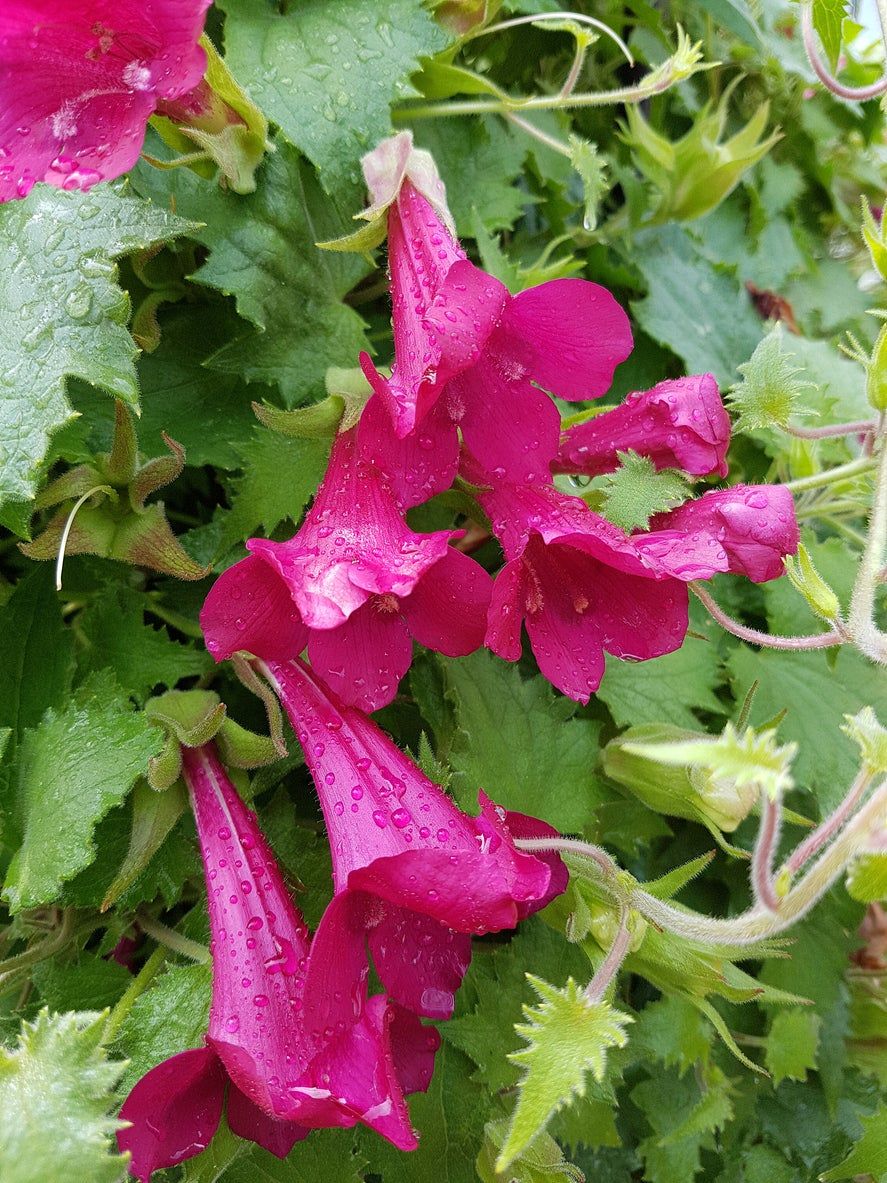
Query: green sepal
point(874, 239)
point(192, 717)
point(165, 768)
point(876, 373)
point(804, 577)
point(865, 730)
point(153, 816)
point(244, 749)
point(348, 392)
point(541, 1162)
point(361, 241)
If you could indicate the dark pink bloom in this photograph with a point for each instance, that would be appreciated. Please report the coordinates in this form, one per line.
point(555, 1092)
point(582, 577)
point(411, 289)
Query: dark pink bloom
point(79, 80)
point(413, 875)
point(747, 529)
point(580, 586)
point(355, 584)
point(292, 1036)
point(461, 339)
point(680, 423)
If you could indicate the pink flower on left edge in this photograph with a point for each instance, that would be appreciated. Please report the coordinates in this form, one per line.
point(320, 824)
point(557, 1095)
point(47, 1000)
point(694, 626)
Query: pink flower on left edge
point(293, 1038)
point(680, 423)
point(463, 342)
point(79, 80)
point(355, 584)
point(578, 583)
point(414, 877)
point(746, 529)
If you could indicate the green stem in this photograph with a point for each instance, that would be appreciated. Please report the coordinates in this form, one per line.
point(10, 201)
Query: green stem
point(832, 476)
point(136, 987)
point(173, 940)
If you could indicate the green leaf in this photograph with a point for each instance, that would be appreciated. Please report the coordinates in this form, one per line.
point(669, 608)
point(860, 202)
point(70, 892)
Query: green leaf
point(791, 1044)
point(541, 1162)
point(279, 476)
point(326, 1157)
point(868, 1156)
point(56, 1094)
point(672, 1030)
point(666, 690)
point(63, 313)
point(771, 391)
point(86, 983)
point(568, 1036)
point(636, 491)
point(263, 253)
point(515, 742)
point(169, 1017)
point(479, 161)
point(816, 695)
point(735, 16)
point(35, 652)
point(75, 766)
point(327, 71)
point(867, 878)
point(684, 1115)
point(153, 816)
point(140, 656)
point(701, 312)
point(828, 19)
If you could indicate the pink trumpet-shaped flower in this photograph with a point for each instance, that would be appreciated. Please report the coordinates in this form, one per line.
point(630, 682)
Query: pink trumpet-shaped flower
point(680, 423)
point(461, 339)
point(79, 80)
point(355, 584)
point(414, 877)
point(292, 1036)
point(580, 586)
point(746, 529)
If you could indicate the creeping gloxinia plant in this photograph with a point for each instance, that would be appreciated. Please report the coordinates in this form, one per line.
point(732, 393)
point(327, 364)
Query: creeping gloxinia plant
point(414, 877)
point(79, 82)
point(294, 1042)
point(355, 584)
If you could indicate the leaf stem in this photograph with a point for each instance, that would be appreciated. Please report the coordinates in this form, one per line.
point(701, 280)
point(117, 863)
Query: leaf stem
point(173, 940)
point(609, 967)
point(136, 987)
point(767, 640)
point(866, 635)
point(832, 476)
point(824, 833)
point(860, 427)
point(763, 891)
point(828, 80)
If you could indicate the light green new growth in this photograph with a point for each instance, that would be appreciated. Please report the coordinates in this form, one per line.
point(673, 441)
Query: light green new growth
point(567, 1036)
point(865, 729)
point(771, 391)
point(635, 492)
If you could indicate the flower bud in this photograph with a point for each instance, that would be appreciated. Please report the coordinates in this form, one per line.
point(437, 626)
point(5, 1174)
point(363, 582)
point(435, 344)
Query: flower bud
point(806, 579)
point(685, 791)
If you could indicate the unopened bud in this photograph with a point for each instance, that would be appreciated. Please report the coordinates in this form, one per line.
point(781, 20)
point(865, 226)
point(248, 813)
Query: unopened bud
point(806, 579)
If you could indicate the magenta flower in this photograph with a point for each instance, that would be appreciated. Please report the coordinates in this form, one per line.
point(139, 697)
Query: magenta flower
point(461, 338)
point(355, 584)
point(580, 586)
point(79, 80)
point(414, 877)
point(292, 1036)
point(746, 529)
point(680, 423)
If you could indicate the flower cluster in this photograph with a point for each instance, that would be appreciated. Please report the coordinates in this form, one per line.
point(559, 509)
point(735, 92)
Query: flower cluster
point(294, 1037)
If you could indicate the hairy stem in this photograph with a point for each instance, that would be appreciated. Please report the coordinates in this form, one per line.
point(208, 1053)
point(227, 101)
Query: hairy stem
point(828, 80)
point(866, 634)
point(860, 427)
point(763, 891)
point(173, 940)
point(823, 834)
point(756, 637)
point(832, 476)
point(136, 987)
point(609, 967)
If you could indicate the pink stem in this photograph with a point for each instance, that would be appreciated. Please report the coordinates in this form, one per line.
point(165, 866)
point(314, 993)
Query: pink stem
point(859, 93)
point(863, 426)
point(609, 967)
point(762, 858)
point(824, 833)
point(755, 636)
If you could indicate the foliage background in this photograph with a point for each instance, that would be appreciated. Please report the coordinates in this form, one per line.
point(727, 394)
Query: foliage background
point(229, 301)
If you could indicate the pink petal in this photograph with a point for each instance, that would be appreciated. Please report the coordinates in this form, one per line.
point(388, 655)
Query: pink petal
point(249, 607)
point(522, 825)
point(754, 524)
point(413, 1048)
point(364, 659)
point(395, 834)
point(447, 610)
point(464, 312)
point(681, 423)
point(505, 617)
point(420, 962)
point(567, 335)
point(352, 544)
point(506, 422)
point(249, 1121)
point(259, 940)
point(174, 1109)
point(418, 466)
point(683, 554)
point(78, 83)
